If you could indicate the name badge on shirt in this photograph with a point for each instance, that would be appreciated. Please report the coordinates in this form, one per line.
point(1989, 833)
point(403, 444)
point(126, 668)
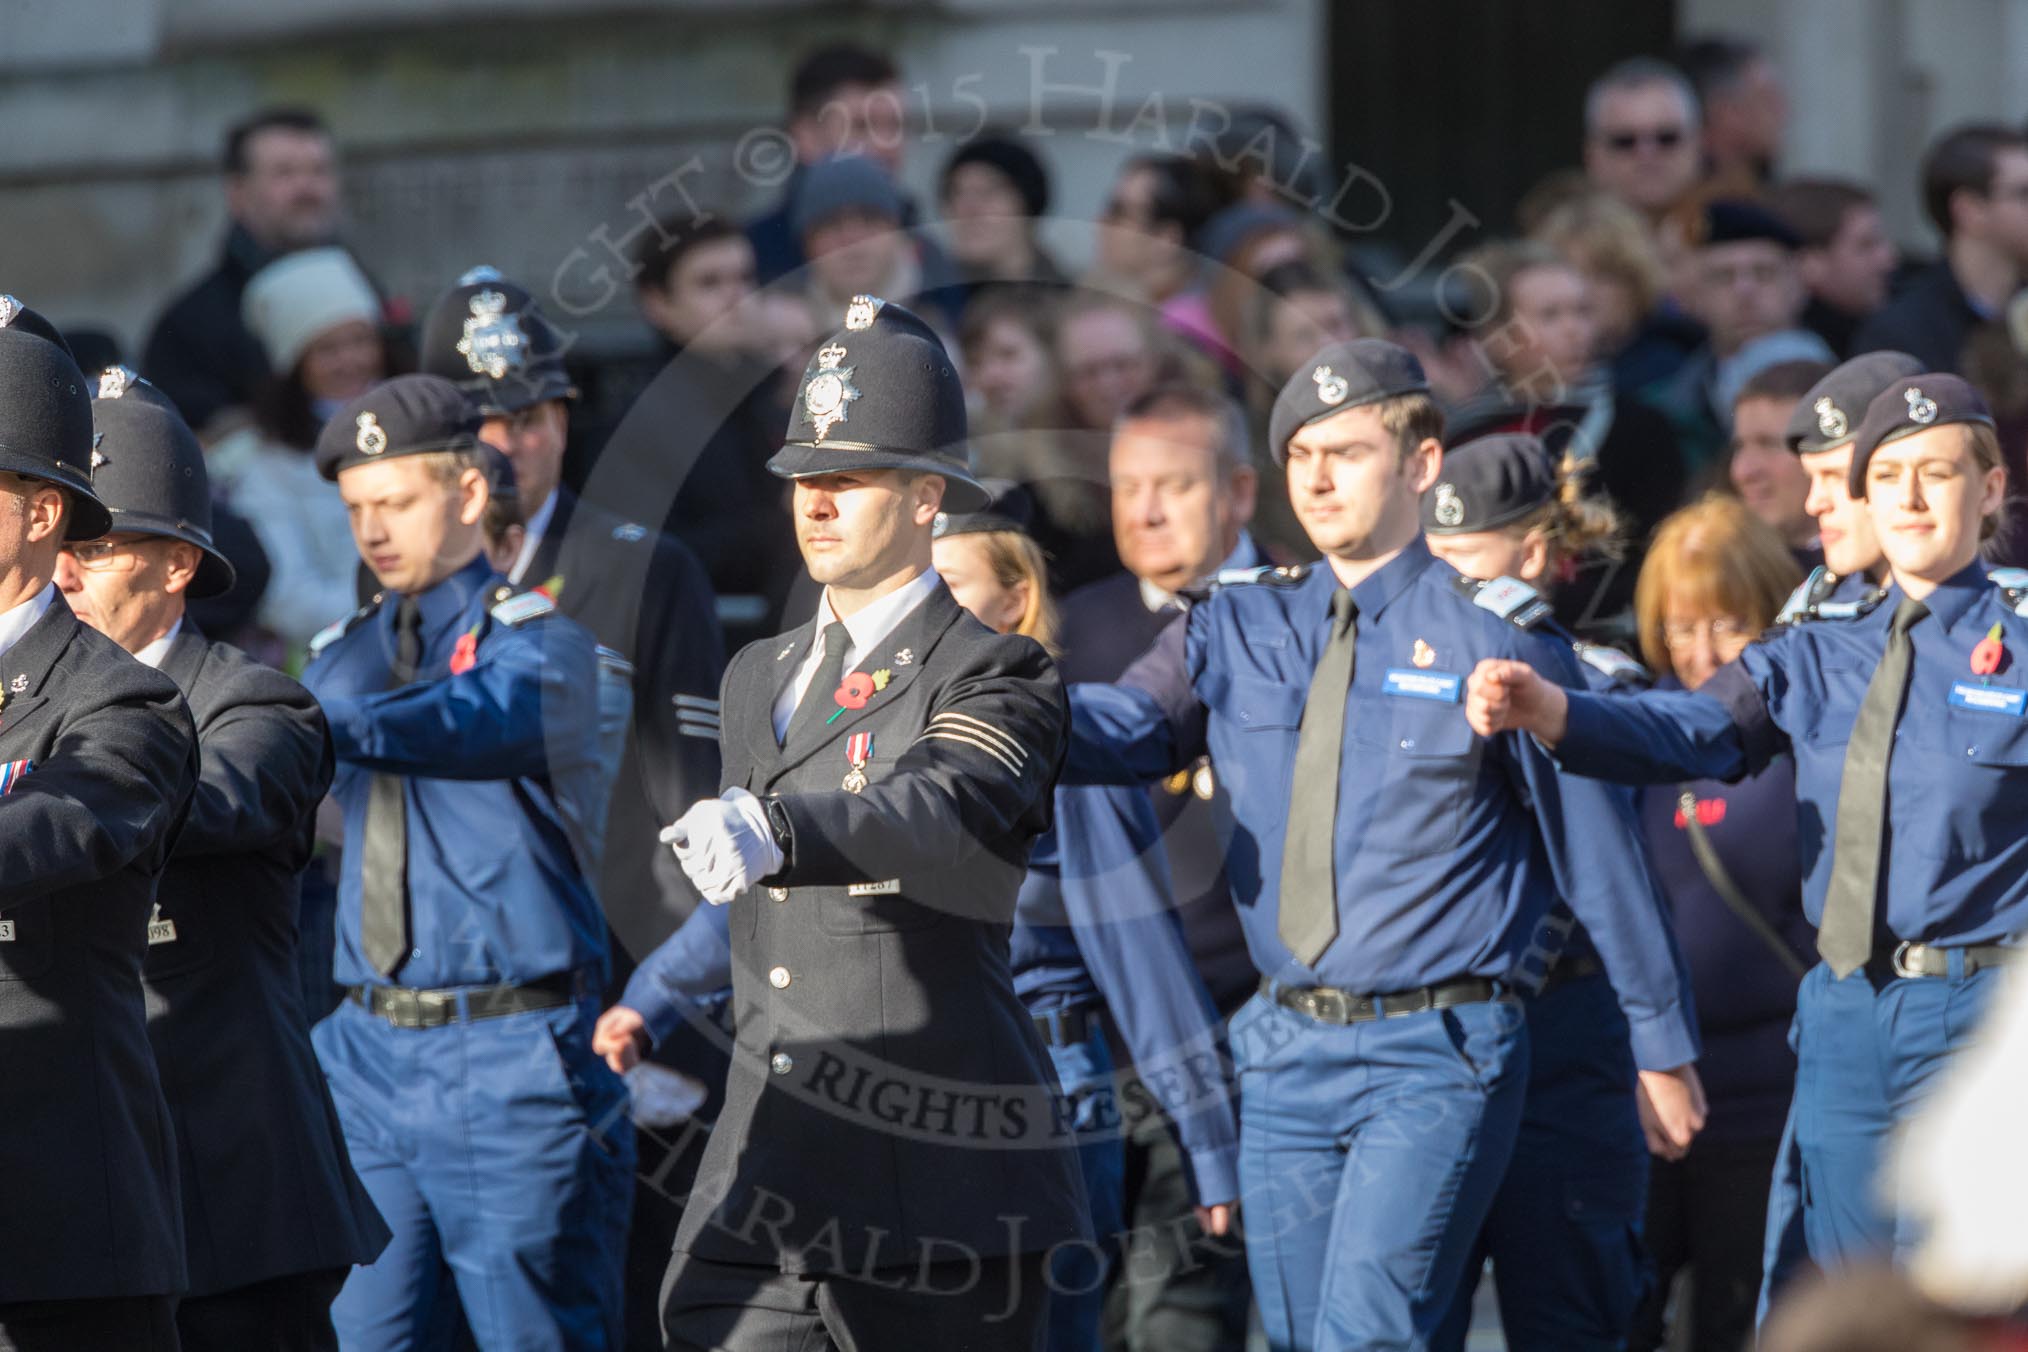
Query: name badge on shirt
point(1990, 699)
point(1443, 686)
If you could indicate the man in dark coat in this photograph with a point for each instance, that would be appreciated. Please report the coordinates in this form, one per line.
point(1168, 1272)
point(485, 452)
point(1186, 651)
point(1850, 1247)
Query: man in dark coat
point(274, 1216)
point(892, 1165)
point(97, 763)
point(281, 193)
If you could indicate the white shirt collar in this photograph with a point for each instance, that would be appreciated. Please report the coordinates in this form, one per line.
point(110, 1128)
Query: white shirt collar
point(533, 530)
point(868, 628)
point(153, 653)
point(18, 621)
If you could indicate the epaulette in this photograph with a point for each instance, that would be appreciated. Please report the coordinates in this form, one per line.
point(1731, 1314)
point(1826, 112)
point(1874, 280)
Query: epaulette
point(512, 609)
point(338, 629)
point(1813, 591)
point(1267, 574)
point(1615, 665)
point(1508, 597)
point(2013, 582)
point(1835, 610)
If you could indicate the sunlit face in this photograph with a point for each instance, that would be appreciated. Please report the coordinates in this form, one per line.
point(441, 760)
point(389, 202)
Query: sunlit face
point(1744, 289)
point(859, 527)
point(1851, 271)
point(705, 303)
point(32, 517)
point(344, 362)
point(413, 526)
point(128, 587)
point(1352, 489)
point(1487, 554)
point(1844, 526)
point(1008, 368)
point(962, 563)
point(1129, 245)
point(1700, 640)
point(1644, 148)
point(1548, 340)
point(1768, 478)
point(1927, 496)
point(288, 196)
point(1106, 364)
point(1175, 515)
point(533, 440)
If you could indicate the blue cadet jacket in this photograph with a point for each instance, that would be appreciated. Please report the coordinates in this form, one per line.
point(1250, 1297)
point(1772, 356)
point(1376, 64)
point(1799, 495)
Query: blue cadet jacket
point(1450, 848)
point(505, 776)
point(1103, 928)
point(1956, 872)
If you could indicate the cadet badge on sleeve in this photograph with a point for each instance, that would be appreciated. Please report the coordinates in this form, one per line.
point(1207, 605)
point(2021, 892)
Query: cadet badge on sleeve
point(858, 750)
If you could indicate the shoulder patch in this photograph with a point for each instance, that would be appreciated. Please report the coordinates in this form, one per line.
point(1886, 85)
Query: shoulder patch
point(1266, 573)
point(1613, 663)
point(520, 609)
point(1846, 610)
point(338, 629)
point(627, 532)
point(1813, 592)
point(1508, 597)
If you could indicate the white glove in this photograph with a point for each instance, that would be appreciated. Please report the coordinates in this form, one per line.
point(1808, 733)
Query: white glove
point(724, 844)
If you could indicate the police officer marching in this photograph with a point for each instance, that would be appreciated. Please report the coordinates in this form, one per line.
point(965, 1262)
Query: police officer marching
point(466, 724)
point(891, 1166)
point(274, 1216)
point(98, 760)
point(1391, 871)
point(1907, 718)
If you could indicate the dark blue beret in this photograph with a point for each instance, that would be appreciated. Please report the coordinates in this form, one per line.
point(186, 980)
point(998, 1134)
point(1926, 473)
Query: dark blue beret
point(1830, 413)
point(1343, 375)
point(1489, 483)
point(408, 415)
point(1913, 404)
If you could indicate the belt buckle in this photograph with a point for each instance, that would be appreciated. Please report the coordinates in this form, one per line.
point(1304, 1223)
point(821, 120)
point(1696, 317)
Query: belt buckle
point(1899, 962)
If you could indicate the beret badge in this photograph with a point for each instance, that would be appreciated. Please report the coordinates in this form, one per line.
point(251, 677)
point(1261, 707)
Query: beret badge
point(1450, 508)
point(827, 393)
point(1831, 423)
point(1331, 387)
point(1921, 408)
point(372, 438)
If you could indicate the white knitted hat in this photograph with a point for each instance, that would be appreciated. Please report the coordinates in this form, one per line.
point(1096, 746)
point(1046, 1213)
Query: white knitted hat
point(299, 296)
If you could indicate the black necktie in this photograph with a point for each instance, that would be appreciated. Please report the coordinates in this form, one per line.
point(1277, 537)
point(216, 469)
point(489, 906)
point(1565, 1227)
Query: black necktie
point(1845, 934)
point(383, 866)
point(1308, 917)
point(818, 704)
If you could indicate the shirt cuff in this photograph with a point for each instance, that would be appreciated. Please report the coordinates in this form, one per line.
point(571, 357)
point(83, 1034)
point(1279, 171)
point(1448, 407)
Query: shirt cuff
point(1664, 1041)
point(1214, 1174)
point(660, 1011)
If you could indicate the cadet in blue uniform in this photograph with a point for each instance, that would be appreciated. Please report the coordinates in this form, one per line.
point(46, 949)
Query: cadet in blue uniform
point(1391, 872)
point(469, 942)
point(273, 1215)
point(1098, 926)
point(1564, 1230)
point(1905, 715)
point(98, 761)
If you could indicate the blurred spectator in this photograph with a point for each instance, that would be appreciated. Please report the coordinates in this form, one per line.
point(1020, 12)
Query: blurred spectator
point(848, 216)
point(1007, 340)
point(707, 414)
point(1746, 111)
point(1641, 128)
point(1536, 351)
point(1714, 579)
point(1147, 238)
point(788, 335)
point(1846, 258)
point(994, 195)
point(1641, 334)
point(1182, 493)
point(1242, 244)
point(1975, 190)
point(1294, 313)
point(281, 193)
point(1749, 295)
point(1766, 474)
point(316, 318)
point(1262, 156)
point(1108, 354)
point(843, 100)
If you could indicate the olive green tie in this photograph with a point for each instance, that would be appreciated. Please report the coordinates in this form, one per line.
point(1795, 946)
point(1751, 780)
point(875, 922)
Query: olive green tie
point(1308, 918)
point(1845, 933)
point(383, 864)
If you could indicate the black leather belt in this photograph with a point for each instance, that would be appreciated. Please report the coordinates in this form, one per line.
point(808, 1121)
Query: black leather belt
point(1327, 1004)
point(1925, 960)
point(1567, 970)
point(1066, 1027)
point(411, 1007)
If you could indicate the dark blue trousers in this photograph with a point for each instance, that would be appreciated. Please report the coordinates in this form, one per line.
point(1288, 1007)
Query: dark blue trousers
point(500, 1154)
point(1077, 1272)
point(1369, 1157)
point(1564, 1233)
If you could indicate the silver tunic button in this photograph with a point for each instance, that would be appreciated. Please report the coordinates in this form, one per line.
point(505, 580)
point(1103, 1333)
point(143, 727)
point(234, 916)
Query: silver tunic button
point(781, 1063)
point(779, 978)
point(778, 893)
